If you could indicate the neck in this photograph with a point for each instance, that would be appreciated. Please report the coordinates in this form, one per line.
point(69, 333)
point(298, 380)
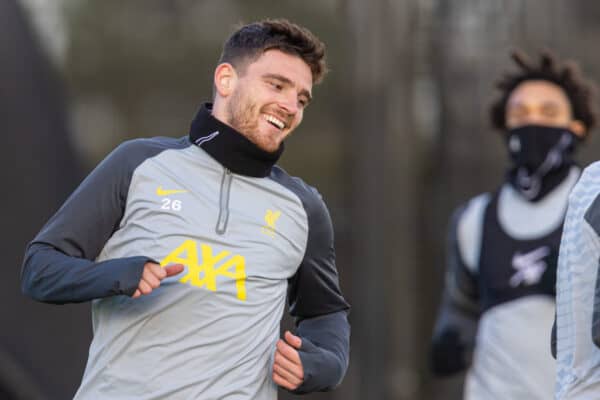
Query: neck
point(229, 147)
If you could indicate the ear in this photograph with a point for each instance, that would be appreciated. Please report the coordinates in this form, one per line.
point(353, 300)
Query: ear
point(578, 128)
point(225, 79)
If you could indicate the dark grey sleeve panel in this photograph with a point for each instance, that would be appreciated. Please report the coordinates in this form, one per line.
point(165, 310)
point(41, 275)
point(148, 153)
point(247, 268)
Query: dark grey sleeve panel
point(93, 212)
point(596, 310)
point(461, 284)
point(314, 290)
point(315, 297)
point(325, 351)
point(592, 215)
point(553, 337)
point(61, 279)
point(76, 234)
point(456, 326)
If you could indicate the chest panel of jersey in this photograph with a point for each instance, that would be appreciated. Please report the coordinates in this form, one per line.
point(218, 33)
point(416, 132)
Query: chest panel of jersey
point(223, 311)
point(176, 201)
point(511, 268)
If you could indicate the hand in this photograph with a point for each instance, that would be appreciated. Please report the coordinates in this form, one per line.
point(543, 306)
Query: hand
point(152, 275)
point(287, 367)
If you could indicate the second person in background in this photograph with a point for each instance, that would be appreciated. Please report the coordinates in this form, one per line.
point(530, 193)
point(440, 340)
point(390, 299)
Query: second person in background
point(498, 304)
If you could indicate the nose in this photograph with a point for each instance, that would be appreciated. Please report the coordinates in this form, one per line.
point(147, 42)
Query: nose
point(535, 117)
point(289, 103)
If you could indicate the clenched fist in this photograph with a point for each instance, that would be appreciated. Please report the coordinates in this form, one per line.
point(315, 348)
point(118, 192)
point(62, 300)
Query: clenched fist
point(152, 275)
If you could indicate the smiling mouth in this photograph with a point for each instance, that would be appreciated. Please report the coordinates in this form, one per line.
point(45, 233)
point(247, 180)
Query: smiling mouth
point(276, 122)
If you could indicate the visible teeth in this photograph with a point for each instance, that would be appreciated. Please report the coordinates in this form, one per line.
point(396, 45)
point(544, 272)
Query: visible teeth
point(277, 122)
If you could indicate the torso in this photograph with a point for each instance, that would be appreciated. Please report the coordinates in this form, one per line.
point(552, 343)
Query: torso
point(511, 245)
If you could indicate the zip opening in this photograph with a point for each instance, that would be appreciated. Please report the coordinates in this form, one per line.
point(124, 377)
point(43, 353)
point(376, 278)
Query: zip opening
point(224, 201)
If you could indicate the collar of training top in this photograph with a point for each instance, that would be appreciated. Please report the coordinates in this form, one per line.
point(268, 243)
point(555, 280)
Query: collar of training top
point(229, 147)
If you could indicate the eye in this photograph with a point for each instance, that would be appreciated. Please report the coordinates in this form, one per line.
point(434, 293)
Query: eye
point(275, 85)
point(550, 110)
point(517, 111)
point(303, 103)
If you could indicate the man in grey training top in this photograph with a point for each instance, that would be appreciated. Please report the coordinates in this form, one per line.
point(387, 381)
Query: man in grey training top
point(187, 247)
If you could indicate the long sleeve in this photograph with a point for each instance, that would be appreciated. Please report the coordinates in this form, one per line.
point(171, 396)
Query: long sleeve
point(325, 351)
point(59, 265)
point(320, 309)
point(454, 333)
point(592, 225)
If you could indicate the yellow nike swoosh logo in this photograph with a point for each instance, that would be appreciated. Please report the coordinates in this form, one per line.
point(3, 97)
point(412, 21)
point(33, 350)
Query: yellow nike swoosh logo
point(162, 192)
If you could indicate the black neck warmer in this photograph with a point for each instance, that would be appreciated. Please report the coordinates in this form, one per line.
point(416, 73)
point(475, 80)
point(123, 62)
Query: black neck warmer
point(541, 158)
point(229, 147)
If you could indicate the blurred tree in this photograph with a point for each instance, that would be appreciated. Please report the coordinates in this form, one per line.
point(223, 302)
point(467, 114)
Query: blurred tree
point(385, 159)
point(43, 348)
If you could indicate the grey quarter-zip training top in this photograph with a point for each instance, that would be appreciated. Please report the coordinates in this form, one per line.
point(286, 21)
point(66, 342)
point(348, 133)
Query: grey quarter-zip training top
point(247, 234)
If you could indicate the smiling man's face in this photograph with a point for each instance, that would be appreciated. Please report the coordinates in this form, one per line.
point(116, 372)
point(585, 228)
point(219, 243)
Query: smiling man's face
point(266, 101)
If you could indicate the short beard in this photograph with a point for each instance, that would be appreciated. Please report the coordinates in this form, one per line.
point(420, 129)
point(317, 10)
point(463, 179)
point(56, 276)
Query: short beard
point(239, 114)
point(243, 115)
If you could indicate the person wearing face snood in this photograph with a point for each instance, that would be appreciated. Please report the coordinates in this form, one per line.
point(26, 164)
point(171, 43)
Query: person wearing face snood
point(498, 304)
point(541, 156)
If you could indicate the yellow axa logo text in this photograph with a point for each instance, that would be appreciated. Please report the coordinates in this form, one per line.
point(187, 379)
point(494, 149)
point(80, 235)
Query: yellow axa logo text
point(204, 273)
point(270, 218)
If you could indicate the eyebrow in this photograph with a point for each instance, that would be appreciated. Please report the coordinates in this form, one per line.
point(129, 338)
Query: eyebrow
point(550, 103)
point(288, 81)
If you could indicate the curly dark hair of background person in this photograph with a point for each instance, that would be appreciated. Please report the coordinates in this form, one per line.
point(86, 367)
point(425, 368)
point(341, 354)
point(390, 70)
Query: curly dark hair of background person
point(567, 75)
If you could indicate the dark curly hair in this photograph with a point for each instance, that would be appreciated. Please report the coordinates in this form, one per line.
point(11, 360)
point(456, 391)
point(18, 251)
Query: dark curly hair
point(567, 75)
point(250, 41)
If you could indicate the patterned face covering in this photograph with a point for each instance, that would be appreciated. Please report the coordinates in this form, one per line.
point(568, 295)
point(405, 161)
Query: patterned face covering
point(541, 158)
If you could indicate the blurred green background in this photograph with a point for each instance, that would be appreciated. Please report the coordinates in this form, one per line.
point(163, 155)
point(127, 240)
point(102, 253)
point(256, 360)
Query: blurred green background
point(396, 137)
